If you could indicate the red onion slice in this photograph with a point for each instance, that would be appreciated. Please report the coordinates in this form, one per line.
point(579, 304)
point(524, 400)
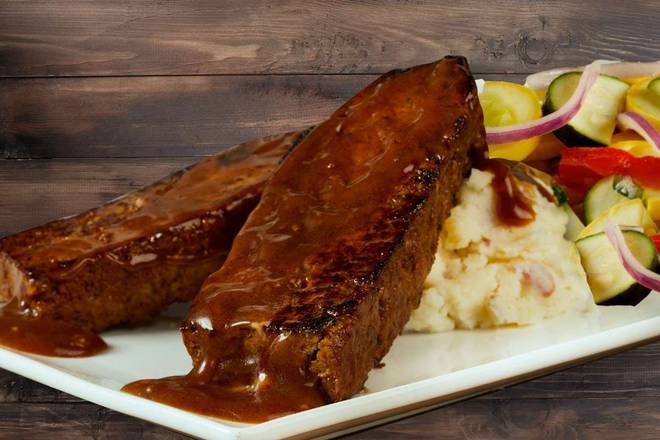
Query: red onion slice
point(551, 122)
point(635, 121)
point(635, 269)
point(541, 80)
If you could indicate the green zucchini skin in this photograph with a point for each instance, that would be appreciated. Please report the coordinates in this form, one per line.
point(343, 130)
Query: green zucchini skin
point(600, 259)
point(569, 134)
point(607, 192)
point(631, 297)
point(571, 137)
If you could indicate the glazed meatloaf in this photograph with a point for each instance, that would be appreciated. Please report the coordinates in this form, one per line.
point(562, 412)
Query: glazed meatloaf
point(125, 261)
point(328, 267)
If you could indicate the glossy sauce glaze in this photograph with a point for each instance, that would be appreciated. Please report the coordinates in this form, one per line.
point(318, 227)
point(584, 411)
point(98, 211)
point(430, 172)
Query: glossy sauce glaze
point(19, 331)
point(278, 391)
point(512, 206)
point(94, 269)
point(314, 247)
point(217, 186)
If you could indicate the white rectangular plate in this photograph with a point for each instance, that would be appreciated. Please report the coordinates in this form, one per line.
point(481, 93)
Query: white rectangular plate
point(420, 371)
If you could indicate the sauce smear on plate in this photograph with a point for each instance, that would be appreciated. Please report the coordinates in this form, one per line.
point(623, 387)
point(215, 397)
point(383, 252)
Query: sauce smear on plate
point(47, 337)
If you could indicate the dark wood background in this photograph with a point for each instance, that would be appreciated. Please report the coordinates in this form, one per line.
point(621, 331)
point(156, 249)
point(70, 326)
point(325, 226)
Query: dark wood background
point(100, 97)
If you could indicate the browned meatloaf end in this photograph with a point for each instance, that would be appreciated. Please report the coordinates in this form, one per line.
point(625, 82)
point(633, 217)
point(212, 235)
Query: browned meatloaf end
point(330, 264)
point(125, 261)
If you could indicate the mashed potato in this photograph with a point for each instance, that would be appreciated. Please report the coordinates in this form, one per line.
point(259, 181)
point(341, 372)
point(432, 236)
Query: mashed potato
point(487, 274)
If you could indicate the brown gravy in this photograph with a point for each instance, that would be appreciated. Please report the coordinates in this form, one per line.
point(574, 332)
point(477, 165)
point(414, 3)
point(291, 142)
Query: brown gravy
point(513, 207)
point(19, 331)
point(280, 390)
point(215, 400)
point(207, 202)
point(181, 201)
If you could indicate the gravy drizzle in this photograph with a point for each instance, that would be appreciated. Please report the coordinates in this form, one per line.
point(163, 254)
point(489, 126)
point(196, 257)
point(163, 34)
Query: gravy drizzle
point(47, 337)
point(185, 200)
point(280, 390)
point(512, 206)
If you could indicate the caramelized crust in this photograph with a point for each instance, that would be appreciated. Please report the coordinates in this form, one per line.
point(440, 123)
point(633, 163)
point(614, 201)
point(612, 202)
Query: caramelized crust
point(125, 261)
point(330, 264)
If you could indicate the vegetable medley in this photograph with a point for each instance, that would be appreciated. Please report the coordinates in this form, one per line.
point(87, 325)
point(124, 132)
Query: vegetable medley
point(596, 130)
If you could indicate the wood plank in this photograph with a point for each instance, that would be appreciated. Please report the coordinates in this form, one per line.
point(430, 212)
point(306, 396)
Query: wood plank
point(149, 37)
point(161, 116)
point(631, 374)
point(529, 419)
point(18, 389)
point(477, 418)
point(73, 421)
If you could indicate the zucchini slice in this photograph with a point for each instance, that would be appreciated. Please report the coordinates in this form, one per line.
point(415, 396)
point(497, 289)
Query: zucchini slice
point(631, 213)
point(608, 279)
point(607, 192)
point(594, 123)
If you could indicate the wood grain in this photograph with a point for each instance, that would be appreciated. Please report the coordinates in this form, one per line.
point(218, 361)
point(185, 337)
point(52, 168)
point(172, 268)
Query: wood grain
point(530, 419)
point(161, 116)
point(76, 37)
point(73, 421)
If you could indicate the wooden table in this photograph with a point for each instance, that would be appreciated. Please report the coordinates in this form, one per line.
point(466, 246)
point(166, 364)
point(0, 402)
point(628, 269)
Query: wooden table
point(100, 98)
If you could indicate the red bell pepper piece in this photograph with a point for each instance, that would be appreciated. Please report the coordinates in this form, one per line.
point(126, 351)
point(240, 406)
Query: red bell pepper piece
point(581, 168)
point(656, 241)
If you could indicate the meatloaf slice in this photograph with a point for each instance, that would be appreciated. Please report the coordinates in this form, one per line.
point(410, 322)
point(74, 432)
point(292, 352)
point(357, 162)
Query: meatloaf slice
point(328, 267)
point(125, 261)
